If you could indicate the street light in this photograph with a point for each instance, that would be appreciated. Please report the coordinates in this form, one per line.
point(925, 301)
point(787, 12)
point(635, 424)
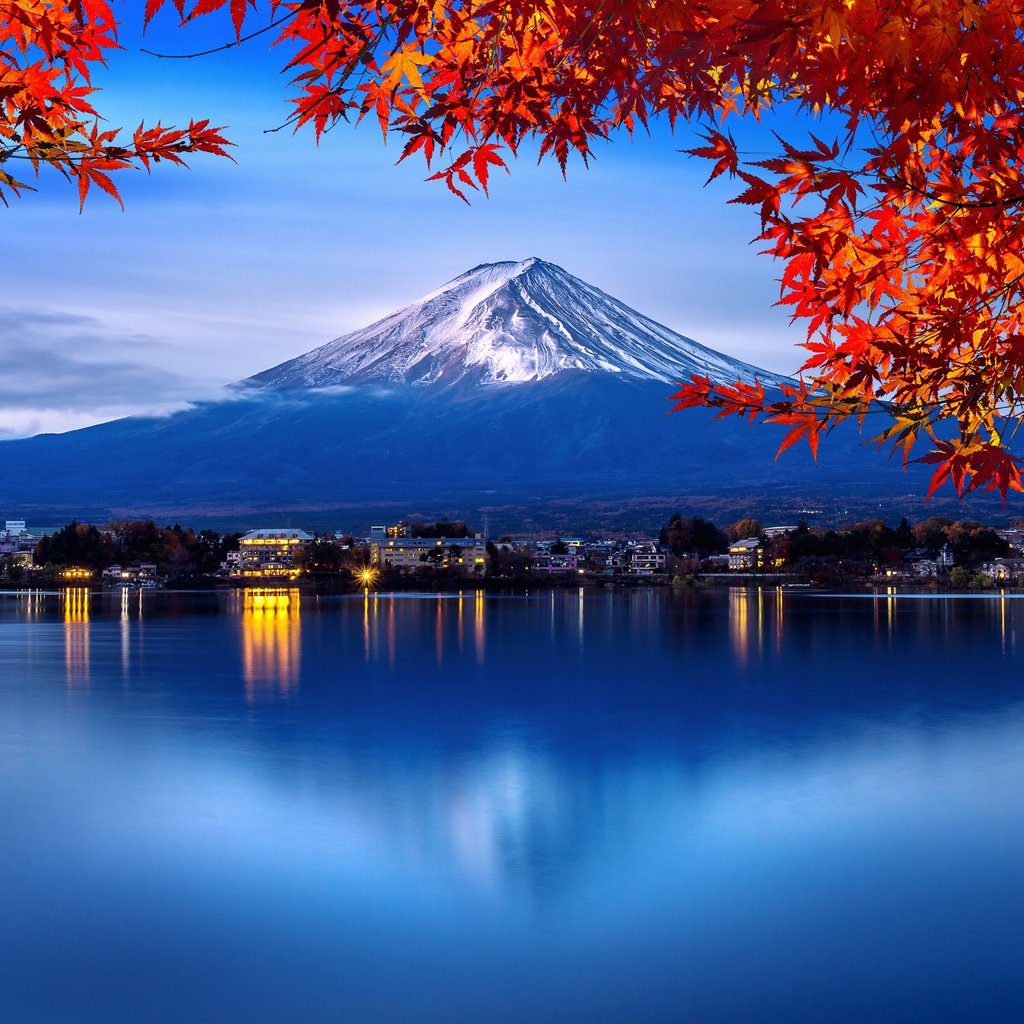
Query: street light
point(367, 576)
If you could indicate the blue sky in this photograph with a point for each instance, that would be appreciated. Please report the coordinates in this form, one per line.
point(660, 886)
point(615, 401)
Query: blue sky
point(212, 274)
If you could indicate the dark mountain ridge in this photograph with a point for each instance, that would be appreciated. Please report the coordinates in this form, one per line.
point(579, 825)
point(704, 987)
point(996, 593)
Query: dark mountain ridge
point(515, 386)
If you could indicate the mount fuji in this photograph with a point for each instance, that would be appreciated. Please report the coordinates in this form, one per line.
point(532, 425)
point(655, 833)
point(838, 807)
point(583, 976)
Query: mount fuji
point(514, 384)
point(507, 323)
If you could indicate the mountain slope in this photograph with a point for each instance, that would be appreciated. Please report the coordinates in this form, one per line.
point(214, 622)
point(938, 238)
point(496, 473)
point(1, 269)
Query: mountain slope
point(515, 383)
point(507, 323)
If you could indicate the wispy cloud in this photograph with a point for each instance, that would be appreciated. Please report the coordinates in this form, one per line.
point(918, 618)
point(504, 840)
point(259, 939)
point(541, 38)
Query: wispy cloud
point(219, 273)
point(61, 370)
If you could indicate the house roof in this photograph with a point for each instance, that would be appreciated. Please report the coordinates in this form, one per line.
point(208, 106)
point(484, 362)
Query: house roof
point(750, 544)
point(277, 534)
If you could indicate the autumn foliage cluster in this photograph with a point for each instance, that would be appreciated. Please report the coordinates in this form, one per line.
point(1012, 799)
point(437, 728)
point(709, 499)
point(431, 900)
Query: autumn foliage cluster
point(898, 231)
point(48, 52)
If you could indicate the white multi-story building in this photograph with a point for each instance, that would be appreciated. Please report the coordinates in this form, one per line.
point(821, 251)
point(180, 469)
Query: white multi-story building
point(647, 562)
point(466, 555)
point(745, 554)
point(273, 552)
point(16, 540)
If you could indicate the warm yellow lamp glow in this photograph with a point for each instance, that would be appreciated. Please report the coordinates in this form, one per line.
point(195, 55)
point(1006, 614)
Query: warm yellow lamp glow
point(367, 576)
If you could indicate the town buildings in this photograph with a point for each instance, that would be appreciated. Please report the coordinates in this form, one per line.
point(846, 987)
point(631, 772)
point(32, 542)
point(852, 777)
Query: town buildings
point(16, 542)
point(1003, 570)
point(140, 574)
point(868, 551)
point(392, 548)
point(271, 553)
point(548, 563)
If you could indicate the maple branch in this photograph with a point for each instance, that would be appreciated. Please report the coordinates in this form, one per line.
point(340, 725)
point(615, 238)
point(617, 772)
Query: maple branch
point(226, 46)
point(956, 204)
point(367, 48)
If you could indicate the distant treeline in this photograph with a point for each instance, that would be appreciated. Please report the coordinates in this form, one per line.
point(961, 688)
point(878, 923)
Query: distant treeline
point(871, 542)
point(172, 549)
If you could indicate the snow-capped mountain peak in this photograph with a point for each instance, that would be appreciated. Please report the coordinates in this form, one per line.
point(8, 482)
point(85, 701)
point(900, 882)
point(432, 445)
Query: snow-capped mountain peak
point(506, 323)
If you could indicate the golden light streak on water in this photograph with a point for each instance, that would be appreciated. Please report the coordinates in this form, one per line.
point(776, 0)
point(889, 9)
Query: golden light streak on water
point(126, 599)
point(271, 641)
point(366, 624)
point(439, 631)
point(392, 639)
point(75, 605)
point(1002, 619)
point(760, 623)
point(738, 625)
point(478, 628)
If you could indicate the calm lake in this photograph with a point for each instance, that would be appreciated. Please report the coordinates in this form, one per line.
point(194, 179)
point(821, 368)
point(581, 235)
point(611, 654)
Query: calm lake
point(731, 806)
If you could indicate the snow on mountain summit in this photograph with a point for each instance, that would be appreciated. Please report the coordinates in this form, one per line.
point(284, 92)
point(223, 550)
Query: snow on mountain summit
point(507, 323)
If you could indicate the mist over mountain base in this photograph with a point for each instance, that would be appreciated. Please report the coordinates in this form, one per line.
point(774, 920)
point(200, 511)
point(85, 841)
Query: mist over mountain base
point(574, 451)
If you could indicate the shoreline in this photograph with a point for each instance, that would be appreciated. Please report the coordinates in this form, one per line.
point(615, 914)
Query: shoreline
point(398, 585)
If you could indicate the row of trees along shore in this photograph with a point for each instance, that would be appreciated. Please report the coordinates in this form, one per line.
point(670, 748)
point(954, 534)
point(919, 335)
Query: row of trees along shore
point(174, 550)
point(859, 550)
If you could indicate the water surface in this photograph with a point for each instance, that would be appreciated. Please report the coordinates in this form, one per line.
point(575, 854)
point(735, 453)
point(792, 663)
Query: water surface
point(647, 806)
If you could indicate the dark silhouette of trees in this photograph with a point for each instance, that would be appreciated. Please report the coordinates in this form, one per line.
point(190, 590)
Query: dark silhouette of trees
point(77, 544)
point(326, 556)
point(692, 536)
point(443, 528)
point(175, 550)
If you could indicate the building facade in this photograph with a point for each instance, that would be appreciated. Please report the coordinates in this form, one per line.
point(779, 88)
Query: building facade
point(746, 555)
point(17, 542)
point(646, 560)
point(465, 555)
point(274, 552)
point(556, 563)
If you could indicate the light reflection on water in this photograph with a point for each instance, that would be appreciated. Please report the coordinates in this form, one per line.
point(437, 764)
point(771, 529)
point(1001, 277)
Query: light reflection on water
point(75, 602)
point(271, 640)
point(567, 806)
